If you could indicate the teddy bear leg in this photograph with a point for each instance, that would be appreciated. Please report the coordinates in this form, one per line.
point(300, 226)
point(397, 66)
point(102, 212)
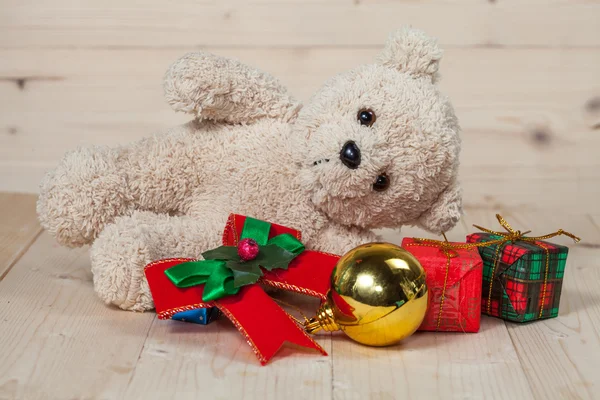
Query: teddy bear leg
point(124, 248)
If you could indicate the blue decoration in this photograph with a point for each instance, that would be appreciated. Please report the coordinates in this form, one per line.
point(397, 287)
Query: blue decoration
point(203, 316)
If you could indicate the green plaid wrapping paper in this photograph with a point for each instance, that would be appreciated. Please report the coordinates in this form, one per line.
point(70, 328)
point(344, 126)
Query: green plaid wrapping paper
point(517, 290)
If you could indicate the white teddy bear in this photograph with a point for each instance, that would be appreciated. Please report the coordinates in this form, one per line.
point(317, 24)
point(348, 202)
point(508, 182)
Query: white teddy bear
point(376, 147)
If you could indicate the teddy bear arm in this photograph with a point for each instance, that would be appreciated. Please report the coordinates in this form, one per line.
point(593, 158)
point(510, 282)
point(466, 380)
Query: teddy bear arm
point(225, 90)
point(445, 211)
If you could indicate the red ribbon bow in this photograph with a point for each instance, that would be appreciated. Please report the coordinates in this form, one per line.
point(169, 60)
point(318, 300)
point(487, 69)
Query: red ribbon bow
point(309, 273)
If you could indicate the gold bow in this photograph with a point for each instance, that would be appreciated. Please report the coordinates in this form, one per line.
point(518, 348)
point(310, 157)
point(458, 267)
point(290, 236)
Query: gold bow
point(512, 235)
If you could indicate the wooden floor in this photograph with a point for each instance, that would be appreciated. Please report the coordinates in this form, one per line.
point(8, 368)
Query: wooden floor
point(59, 341)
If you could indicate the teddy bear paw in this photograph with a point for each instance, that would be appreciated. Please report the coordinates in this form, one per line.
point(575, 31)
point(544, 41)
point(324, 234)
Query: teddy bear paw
point(81, 195)
point(118, 261)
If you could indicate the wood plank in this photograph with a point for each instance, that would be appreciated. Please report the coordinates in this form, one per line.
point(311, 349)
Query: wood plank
point(18, 229)
point(57, 339)
point(21, 178)
point(534, 110)
point(559, 356)
point(112, 23)
point(182, 360)
point(595, 221)
point(530, 194)
point(530, 116)
point(432, 365)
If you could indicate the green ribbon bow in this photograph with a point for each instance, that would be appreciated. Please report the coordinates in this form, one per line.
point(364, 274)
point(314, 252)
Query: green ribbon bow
point(222, 271)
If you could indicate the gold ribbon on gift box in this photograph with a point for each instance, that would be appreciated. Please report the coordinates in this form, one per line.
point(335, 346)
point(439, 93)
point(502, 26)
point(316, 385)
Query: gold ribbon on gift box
point(510, 236)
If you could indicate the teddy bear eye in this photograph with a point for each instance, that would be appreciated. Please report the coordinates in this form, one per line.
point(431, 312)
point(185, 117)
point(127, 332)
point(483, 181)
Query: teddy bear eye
point(366, 117)
point(382, 183)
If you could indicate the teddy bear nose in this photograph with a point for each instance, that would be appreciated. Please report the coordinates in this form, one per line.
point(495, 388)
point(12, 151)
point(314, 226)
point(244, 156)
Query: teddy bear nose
point(350, 155)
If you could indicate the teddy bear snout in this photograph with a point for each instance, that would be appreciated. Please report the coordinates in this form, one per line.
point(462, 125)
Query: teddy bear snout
point(350, 155)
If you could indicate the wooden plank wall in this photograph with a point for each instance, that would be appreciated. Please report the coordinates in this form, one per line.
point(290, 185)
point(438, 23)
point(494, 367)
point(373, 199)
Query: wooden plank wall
point(524, 76)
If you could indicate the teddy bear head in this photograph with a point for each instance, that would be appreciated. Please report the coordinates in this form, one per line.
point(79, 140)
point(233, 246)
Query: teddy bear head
point(383, 141)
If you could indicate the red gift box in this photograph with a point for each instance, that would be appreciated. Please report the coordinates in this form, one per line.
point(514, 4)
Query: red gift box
point(454, 277)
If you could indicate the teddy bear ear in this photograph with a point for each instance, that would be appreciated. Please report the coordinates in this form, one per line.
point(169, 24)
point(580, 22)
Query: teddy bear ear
point(412, 51)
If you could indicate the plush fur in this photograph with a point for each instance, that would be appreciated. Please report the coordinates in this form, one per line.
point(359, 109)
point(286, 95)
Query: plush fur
point(252, 149)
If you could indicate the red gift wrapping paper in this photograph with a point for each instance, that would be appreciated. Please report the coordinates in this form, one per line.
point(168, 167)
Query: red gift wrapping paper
point(454, 289)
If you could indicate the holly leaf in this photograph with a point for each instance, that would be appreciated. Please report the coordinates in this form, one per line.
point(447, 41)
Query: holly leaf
point(251, 266)
point(272, 256)
point(244, 272)
point(241, 278)
point(221, 253)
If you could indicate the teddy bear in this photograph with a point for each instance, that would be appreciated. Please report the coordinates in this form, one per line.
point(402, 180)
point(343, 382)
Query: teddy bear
point(375, 147)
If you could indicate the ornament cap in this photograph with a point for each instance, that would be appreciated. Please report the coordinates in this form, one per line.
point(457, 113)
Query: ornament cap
point(323, 320)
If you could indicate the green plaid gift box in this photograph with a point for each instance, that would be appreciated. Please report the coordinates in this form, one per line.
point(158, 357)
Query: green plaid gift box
point(517, 292)
point(522, 276)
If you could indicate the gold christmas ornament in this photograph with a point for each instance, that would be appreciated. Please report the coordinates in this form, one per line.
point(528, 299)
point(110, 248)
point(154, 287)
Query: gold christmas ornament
point(378, 296)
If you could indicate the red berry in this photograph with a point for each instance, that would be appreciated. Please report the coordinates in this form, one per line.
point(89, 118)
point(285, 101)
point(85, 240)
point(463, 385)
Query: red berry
point(247, 249)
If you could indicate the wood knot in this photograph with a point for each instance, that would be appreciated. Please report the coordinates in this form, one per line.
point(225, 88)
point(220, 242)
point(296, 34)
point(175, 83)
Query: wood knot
point(592, 112)
point(593, 105)
point(541, 137)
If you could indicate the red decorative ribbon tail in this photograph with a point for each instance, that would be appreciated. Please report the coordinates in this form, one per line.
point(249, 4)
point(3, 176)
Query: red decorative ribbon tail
point(265, 325)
